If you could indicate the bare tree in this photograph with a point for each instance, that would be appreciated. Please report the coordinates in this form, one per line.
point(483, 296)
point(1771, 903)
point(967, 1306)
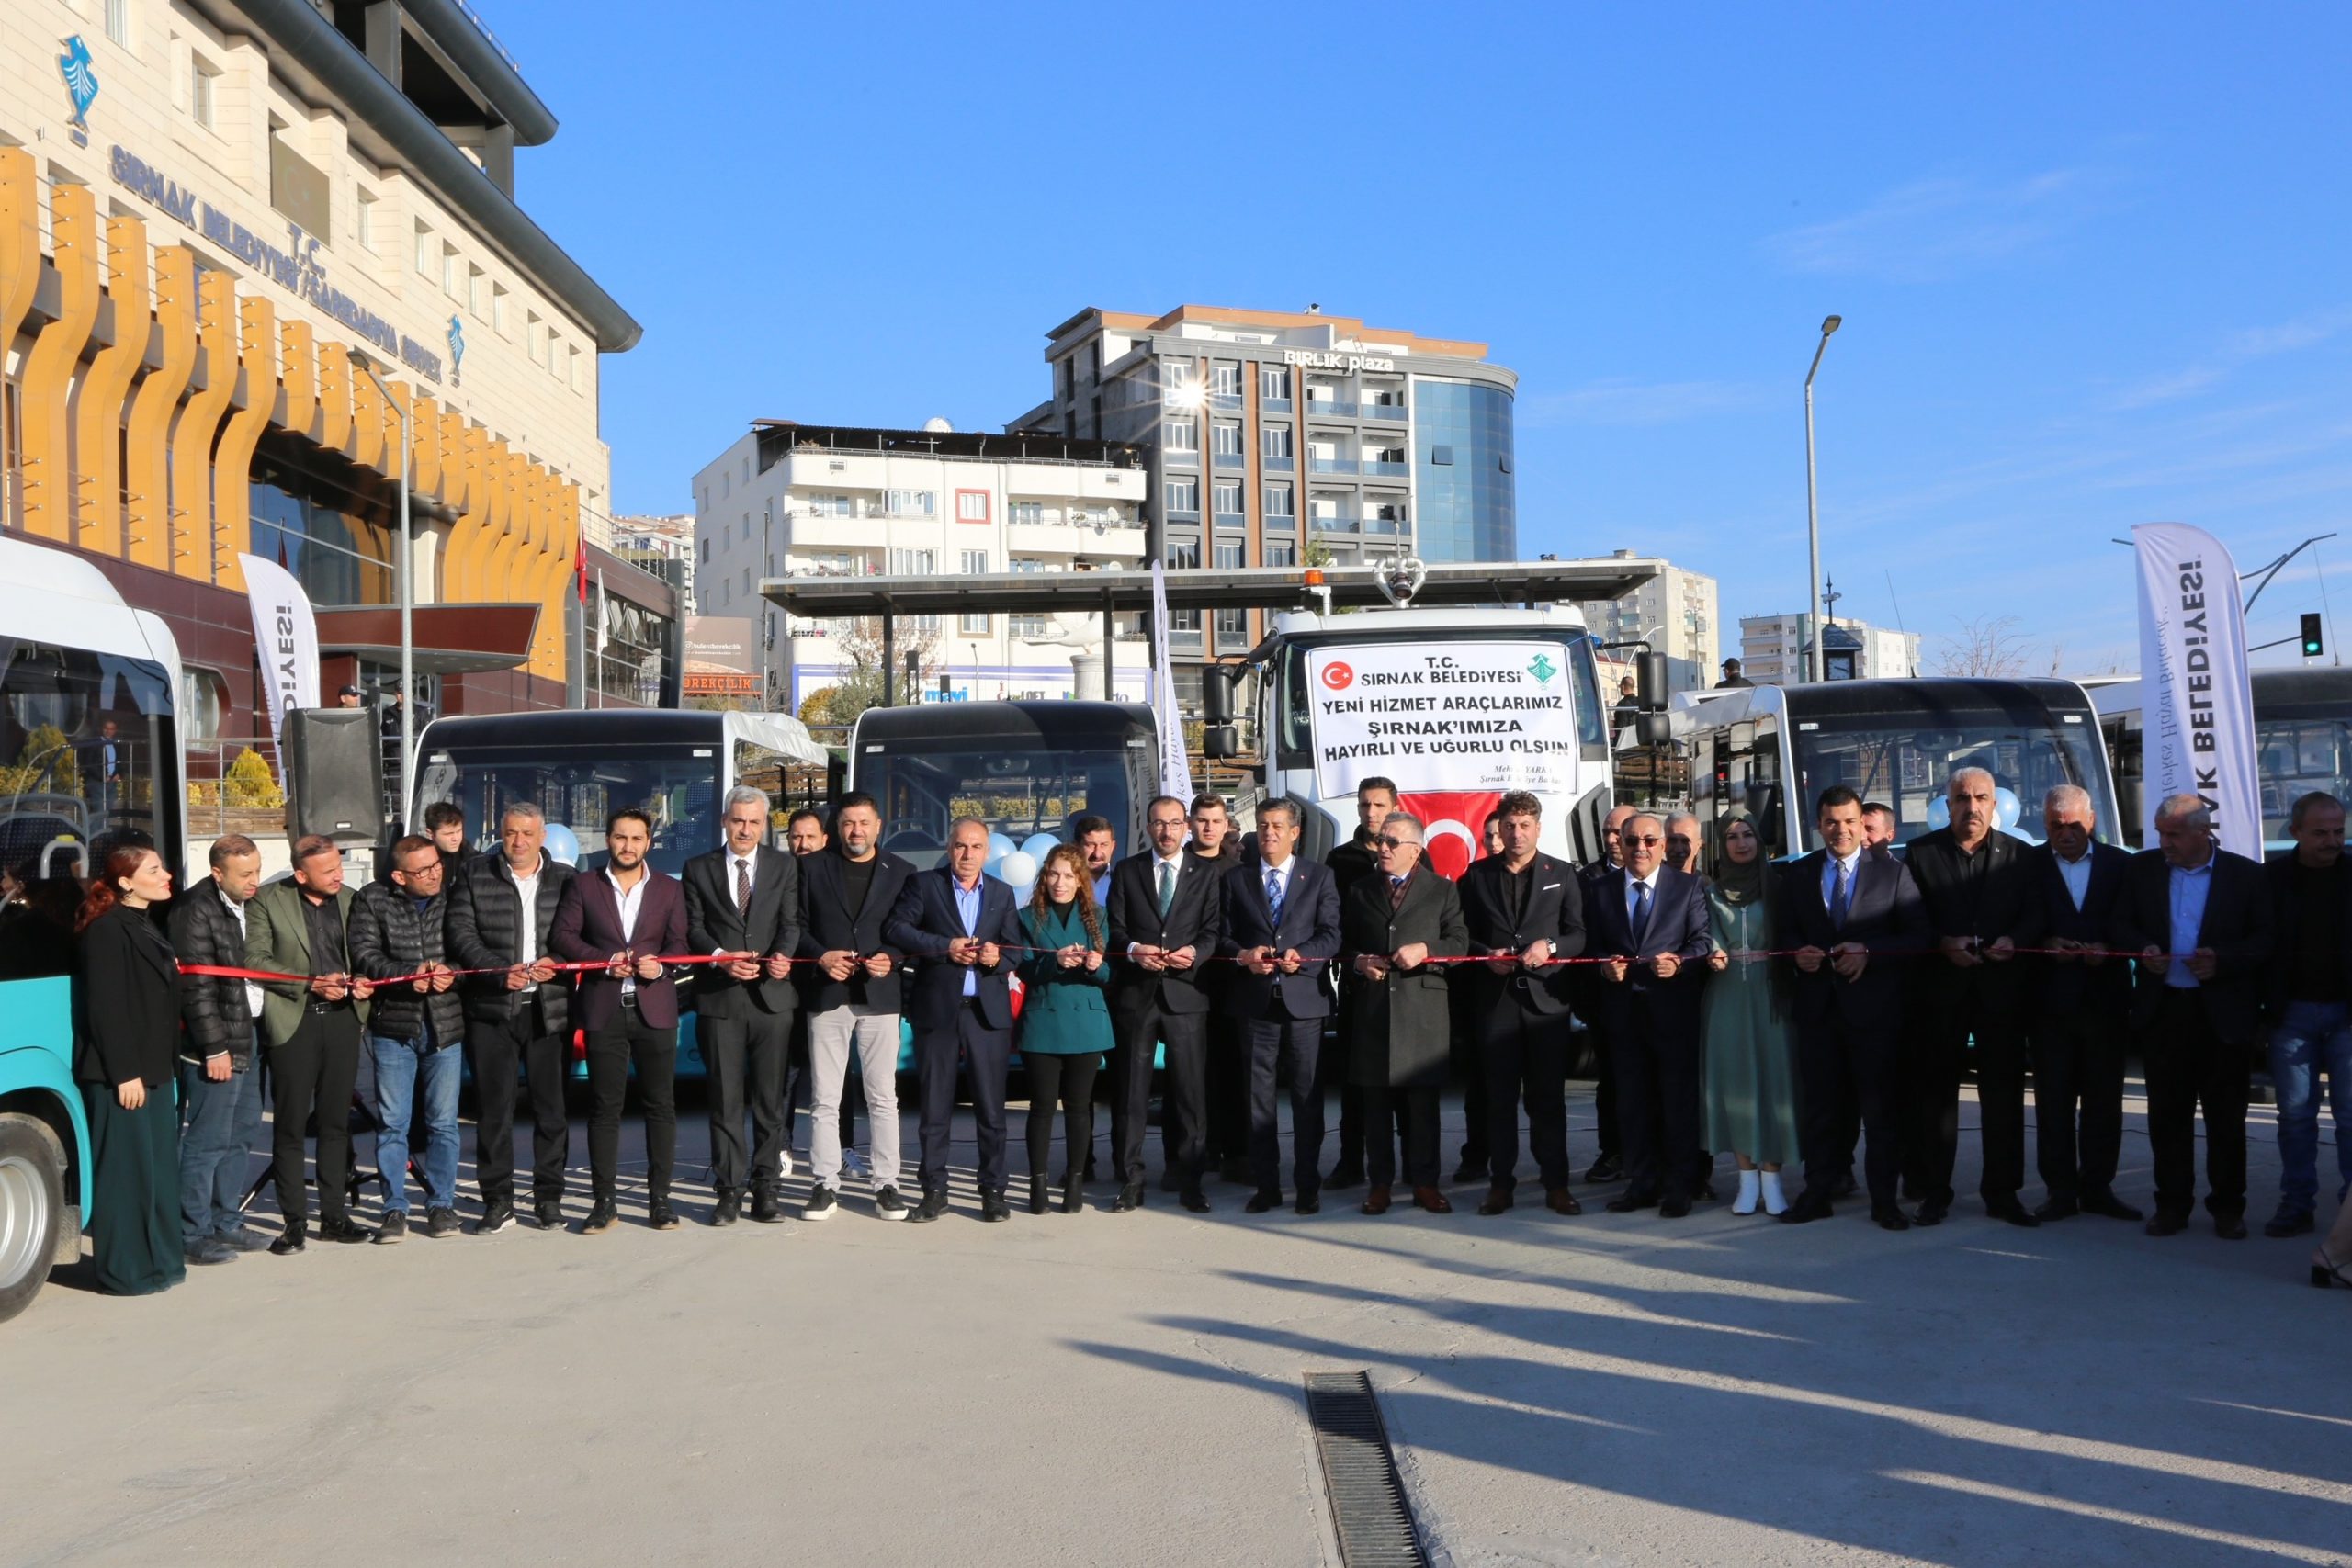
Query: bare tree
point(1989, 644)
point(864, 685)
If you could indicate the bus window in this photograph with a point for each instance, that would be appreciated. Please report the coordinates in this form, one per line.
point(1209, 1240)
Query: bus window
point(1745, 778)
point(83, 738)
point(680, 792)
point(2294, 757)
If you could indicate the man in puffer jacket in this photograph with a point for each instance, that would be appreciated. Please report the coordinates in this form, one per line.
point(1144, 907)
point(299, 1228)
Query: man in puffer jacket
point(413, 1035)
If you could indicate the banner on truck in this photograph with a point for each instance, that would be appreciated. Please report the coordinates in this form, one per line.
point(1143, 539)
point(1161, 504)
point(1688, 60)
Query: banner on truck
point(1445, 716)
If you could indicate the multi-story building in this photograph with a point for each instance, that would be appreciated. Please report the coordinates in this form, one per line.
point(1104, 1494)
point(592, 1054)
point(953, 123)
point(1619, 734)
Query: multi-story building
point(239, 241)
point(787, 498)
point(662, 546)
point(1675, 613)
point(1276, 437)
point(1772, 650)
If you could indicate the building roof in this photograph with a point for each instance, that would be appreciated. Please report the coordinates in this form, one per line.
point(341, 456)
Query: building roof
point(1280, 321)
point(779, 438)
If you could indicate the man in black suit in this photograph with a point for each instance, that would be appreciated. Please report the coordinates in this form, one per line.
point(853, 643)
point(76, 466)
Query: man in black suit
point(626, 917)
point(1349, 864)
point(1610, 1163)
point(1166, 921)
point(1650, 921)
point(957, 923)
point(743, 904)
point(1524, 911)
point(2199, 920)
point(1852, 916)
point(1226, 1140)
point(1983, 903)
point(2077, 1002)
point(853, 985)
point(1281, 927)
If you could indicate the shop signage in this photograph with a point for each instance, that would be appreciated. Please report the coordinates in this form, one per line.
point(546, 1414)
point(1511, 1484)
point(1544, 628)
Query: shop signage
point(1311, 359)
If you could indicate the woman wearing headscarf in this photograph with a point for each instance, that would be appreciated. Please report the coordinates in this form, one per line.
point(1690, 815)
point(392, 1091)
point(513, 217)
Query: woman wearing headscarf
point(129, 1021)
point(1750, 1073)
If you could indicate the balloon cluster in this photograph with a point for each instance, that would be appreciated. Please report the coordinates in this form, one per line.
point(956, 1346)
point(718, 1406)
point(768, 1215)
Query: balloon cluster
point(562, 844)
point(1016, 865)
point(2008, 811)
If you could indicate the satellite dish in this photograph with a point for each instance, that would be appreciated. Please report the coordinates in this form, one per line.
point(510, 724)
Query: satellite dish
point(937, 425)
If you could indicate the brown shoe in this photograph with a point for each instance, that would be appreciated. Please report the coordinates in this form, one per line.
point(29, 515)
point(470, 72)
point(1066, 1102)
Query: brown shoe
point(1431, 1199)
point(1560, 1201)
point(1375, 1202)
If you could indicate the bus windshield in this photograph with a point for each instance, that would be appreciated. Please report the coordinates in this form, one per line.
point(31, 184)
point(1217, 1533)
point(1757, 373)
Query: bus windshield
point(87, 747)
point(679, 788)
point(1018, 790)
point(1907, 766)
point(2293, 757)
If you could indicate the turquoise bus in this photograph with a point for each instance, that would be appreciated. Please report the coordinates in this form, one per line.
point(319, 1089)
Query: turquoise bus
point(90, 740)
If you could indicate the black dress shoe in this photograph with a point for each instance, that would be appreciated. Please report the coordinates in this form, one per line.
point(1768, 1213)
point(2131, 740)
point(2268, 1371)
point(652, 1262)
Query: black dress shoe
point(1811, 1204)
point(2283, 1223)
point(2230, 1227)
point(2056, 1209)
point(1263, 1203)
point(1344, 1174)
point(1194, 1203)
point(994, 1209)
point(1627, 1203)
point(296, 1237)
point(1498, 1201)
point(1470, 1170)
point(1889, 1217)
point(1309, 1204)
point(1676, 1207)
point(766, 1207)
point(727, 1209)
point(1130, 1196)
point(1560, 1201)
point(2108, 1204)
point(660, 1215)
point(1605, 1168)
point(345, 1229)
point(934, 1204)
point(2009, 1208)
point(1932, 1211)
point(2167, 1225)
point(548, 1215)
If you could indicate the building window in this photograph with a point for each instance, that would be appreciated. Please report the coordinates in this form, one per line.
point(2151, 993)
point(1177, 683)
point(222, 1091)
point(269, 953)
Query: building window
point(971, 507)
point(499, 321)
point(1183, 435)
point(203, 75)
point(449, 269)
point(1230, 556)
point(1442, 454)
point(746, 581)
point(1029, 626)
point(829, 506)
point(1185, 495)
point(914, 563)
point(976, 563)
point(1232, 625)
point(531, 333)
point(1276, 441)
point(571, 358)
point(1225, 381)
point(972, 625)
point(1280, 501)
point(1273, 381)
point(1183, 554)
point(1175, 375)
point(705, 547)
point(1226, 435)
point(907, 502)
point(428, 253)
point(119, 21)
point(476, 282)
point(1028, 563)
point(364, 209)
point(1225, 496)
point(1025, 511)
point(1282, 553)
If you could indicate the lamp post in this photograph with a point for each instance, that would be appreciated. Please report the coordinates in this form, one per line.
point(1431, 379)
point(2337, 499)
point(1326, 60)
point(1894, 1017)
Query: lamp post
point(400, 565)
point(1813, 504)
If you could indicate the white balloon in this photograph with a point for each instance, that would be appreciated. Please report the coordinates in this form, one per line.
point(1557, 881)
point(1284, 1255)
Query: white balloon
point(1019, 868)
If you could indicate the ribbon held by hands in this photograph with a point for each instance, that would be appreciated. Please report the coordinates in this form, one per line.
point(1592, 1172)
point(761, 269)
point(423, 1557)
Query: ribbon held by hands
point(592, 967)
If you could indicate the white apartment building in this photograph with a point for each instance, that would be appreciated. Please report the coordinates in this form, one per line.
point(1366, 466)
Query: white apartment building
point(788, 498)
point(1771, 649)
point(652, 542)
point(1676, 612)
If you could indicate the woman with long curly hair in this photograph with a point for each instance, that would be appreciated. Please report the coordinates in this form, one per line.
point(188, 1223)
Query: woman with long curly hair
point(1065, 1023)
point(127, 1019)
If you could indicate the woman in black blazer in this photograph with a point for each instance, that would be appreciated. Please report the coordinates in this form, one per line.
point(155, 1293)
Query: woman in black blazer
point(128, 1028)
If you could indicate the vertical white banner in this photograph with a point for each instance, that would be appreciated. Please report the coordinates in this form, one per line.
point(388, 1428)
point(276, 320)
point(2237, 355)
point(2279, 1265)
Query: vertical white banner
point(286, 635)
point(1175, 769)
point(2196, 700)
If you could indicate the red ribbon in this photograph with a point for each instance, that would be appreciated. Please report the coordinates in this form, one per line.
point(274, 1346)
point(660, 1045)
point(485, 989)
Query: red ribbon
point(227, 972)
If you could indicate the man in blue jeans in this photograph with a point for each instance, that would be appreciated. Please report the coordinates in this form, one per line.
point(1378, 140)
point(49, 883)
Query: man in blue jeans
point(219, 1084)
point(2310, 1003)
point(413, 1033)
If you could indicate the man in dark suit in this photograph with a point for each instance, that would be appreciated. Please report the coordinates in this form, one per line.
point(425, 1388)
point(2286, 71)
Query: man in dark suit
point(1226, 1147)
point(1852, 916)
point(957, 923)
point(1983, 903)
point(2077, 1004)
point(1349, 864)
point(626, 917)
point(1282, 929)
point(518, 1013)
point(1391, 925)
point(853, 980)
point(1524, 912)
point(1165, 922)
point(1650, 921)
point(2305, 1002)
point(2200, 918)
point(1610, 1163)
point(743, 904)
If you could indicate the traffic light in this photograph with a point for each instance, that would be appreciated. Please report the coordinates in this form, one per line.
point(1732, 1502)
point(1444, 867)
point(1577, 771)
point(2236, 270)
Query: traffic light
point(2310, 636)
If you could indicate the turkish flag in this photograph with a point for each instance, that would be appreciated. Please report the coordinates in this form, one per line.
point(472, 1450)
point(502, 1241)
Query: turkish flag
point(1454, 826)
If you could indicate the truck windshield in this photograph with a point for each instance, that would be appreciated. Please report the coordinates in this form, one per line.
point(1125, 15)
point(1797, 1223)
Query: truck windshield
point(1017, 790)
point(1905, 765)
point(579, 789)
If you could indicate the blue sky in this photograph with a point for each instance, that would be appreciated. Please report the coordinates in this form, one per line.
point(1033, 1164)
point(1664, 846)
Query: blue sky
point(2092, 260)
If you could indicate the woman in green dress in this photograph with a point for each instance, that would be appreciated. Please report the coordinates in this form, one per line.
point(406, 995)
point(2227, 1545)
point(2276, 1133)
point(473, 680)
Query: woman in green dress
point(1751, 1093)
point(128, 1003)
point(1065, 1023)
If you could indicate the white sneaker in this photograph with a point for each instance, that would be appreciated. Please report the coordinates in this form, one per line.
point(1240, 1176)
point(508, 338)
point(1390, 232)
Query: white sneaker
point(785, 1162)
point(1775, 1200)
point(1748, 1188)
point(854, 1164)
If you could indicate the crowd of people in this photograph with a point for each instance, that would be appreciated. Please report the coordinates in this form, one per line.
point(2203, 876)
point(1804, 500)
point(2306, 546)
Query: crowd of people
point(1795, 1017)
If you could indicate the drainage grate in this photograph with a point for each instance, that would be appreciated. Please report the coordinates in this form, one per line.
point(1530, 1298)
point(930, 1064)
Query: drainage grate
point(1368, 1507)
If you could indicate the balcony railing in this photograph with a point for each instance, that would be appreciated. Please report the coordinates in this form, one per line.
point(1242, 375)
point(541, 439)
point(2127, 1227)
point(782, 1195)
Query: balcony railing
point(1273, 405)
point(1231, 460)
point(1387, 410)
point(1329, 408)
point(1327, 523)
point(1331, 465)
point(1232, 520)
point(1278, 465)
point(1285, 520)
point(1381, 468)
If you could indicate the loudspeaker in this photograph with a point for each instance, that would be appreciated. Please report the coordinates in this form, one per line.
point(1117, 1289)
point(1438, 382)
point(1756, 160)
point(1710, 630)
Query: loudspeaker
point(334, 774)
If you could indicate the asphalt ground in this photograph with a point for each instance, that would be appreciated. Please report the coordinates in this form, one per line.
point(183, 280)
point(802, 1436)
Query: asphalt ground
point(1114, 1389)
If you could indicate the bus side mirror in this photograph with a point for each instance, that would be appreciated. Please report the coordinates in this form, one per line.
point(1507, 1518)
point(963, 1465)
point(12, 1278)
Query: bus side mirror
point(1649, 677)
point(1220, 741)
point(1217, 696)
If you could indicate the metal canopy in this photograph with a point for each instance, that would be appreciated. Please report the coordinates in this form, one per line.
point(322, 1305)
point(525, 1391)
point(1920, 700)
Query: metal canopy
point(1499, 584)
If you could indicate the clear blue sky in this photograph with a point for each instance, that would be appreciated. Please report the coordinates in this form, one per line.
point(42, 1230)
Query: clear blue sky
point(2092, 260)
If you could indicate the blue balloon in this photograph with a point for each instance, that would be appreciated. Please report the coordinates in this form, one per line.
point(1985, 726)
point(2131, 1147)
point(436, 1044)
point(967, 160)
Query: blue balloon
point(1038, 844)
point(2006, 807)
point(562, 844)
point(999, 846)
point(1939, 814)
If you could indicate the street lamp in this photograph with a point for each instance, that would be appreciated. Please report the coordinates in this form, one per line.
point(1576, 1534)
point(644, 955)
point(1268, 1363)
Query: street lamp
point(408, 603)
point(1813, 502)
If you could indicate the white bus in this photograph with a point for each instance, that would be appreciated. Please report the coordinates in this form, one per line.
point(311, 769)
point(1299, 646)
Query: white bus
point(2303, 738)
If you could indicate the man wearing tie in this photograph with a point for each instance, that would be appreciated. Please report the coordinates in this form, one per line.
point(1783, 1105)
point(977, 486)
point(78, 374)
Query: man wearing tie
point(743, 905)
point(1281, 928)
point(1165, 921)
point(1851, 915)
point(2076, 1011)
point(1650, 921)
point(958, 922)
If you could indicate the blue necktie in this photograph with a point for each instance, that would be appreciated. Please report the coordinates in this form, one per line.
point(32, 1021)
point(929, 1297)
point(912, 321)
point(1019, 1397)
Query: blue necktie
point(1274, 895)
point(1641, 913)
point(1840, 896)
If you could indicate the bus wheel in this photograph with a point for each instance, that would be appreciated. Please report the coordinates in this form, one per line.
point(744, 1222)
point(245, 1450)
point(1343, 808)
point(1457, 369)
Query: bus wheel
point(32, 1196)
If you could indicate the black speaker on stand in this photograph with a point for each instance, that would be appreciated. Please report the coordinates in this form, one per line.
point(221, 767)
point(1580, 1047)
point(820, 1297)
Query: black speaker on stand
point(334, 770)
